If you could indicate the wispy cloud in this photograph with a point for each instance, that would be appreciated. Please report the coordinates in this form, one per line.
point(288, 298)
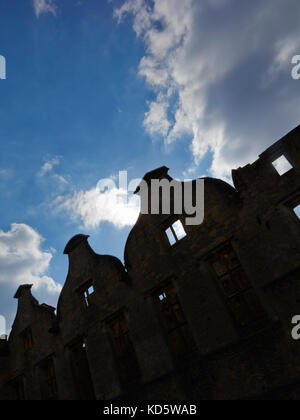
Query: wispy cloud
point(44, 6)
point(48, 174)
point(48, 166)
point(5, 173)
point(60, 179)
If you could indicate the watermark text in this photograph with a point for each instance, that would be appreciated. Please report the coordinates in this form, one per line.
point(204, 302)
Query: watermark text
point(2, 67)
point(296, 68)
point(161, 196)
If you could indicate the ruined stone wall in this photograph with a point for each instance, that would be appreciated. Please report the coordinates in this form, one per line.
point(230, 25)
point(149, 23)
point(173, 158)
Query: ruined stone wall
point(206, 318)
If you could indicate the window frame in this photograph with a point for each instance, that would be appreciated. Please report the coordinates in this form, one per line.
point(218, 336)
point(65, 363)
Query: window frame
point(119, 343)
point(84, 294)
point(242, 292)
point(170, 225)
point(171, 303)
point(27, 339)
point(80, 368)
point(292, 203)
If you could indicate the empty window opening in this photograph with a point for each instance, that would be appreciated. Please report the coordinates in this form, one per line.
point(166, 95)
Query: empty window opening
point(174, 323)
point(297, 211)
point(81, 371)
point(163, 296)
point(27, 339)
point(175, 232)
point(179, 230)
point(85, 294)
point(282, 165)
point(123, 350)
point(171, 236)
point(236, 287)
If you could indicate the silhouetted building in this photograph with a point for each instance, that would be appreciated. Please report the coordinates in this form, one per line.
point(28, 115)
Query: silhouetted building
point(196, 312)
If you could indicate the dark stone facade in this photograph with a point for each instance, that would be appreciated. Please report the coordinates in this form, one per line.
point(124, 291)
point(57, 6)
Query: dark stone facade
point(207, 318)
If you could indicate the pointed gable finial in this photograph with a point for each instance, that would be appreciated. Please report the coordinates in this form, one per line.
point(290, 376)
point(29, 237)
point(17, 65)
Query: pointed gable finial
point(22, 289)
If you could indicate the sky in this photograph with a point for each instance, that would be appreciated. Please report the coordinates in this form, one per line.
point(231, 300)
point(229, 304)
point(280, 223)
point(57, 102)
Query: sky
point(95, 87)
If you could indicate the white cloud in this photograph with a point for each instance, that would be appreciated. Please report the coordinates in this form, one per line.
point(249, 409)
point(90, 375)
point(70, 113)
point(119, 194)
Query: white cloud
point(195, 61)
point(94, 207)
point(156, 120)
point(44, 6)
point(23, 261)
point(141, 11)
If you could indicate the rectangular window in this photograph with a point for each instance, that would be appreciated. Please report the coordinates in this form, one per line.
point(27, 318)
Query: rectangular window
point(85, 294)
point(282, 165)
point(178, 334)
point(27, 339)
point(48, 379)
point(235, 287)
point(123, 349)
point(175, 232)
point(81, 371)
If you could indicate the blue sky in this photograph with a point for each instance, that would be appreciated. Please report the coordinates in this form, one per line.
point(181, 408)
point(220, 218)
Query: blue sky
point(95, 87)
